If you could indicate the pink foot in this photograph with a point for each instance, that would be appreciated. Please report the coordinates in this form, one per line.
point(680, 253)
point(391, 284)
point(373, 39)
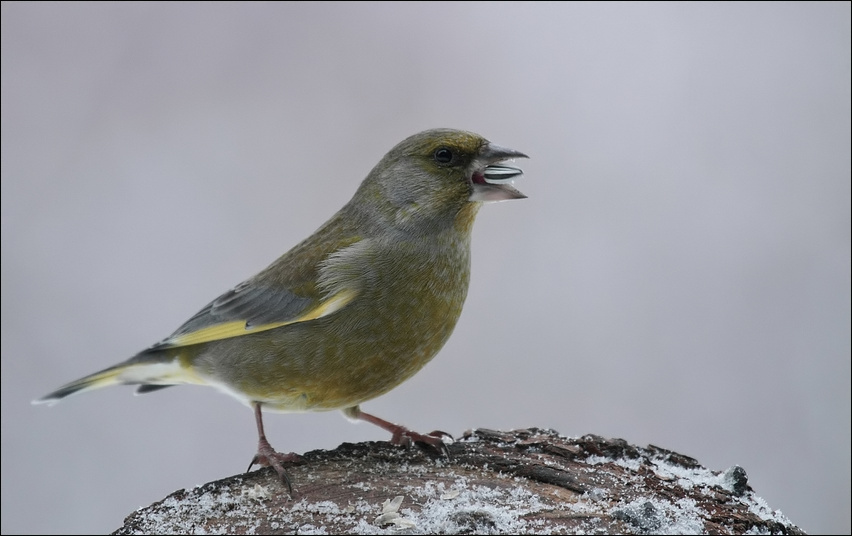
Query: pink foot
point(436, 439)
point(267, 457)
point(400, 435)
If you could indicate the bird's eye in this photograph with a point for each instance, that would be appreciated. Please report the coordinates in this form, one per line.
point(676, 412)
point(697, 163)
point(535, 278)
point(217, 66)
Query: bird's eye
point(443, 156)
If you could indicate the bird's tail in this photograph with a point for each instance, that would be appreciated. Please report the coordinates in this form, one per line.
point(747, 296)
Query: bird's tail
point(149, 371)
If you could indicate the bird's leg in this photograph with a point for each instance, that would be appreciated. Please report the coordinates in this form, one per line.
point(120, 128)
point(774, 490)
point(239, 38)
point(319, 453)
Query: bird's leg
point(402, 435)
point(267, 456)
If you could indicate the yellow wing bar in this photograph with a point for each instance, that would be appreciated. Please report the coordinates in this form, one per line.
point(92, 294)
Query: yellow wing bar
point(238, 328)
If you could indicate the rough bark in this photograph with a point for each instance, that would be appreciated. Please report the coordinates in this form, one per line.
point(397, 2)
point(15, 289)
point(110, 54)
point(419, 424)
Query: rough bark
point(523, 481)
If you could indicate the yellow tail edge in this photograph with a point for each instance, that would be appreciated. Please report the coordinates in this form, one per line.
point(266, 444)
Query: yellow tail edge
point(149, 376)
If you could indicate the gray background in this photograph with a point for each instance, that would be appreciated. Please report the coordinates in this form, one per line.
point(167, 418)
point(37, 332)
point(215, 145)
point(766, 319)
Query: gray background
point(680, 274)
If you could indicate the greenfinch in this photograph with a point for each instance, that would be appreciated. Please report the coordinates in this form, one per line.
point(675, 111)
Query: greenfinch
point(353, 310)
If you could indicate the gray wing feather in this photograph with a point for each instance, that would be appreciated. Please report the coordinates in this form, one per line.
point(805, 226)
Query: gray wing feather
point(255, 303)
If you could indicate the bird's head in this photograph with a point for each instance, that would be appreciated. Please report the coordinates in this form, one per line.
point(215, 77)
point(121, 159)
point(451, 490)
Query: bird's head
point(429, 177)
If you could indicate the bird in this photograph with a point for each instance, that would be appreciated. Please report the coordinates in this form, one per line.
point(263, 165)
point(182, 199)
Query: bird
point(350, 312)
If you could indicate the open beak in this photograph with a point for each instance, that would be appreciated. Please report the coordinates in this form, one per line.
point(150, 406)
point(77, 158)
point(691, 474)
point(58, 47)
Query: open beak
point(492, 179)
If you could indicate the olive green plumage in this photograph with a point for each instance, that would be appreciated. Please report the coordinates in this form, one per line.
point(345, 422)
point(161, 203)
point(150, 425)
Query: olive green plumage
point(357, 307)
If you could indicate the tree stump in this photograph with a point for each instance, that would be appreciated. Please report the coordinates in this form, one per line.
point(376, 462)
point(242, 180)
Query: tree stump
point(520, 482)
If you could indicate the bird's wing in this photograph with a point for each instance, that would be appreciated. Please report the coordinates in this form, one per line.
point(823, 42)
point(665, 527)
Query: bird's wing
point(302, 285)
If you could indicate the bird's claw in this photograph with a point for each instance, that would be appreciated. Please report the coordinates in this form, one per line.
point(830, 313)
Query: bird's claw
point(276, 460)
point(400, 435)
point(435, 439)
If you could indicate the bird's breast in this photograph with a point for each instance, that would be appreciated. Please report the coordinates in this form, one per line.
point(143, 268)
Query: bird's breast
point(408, 303)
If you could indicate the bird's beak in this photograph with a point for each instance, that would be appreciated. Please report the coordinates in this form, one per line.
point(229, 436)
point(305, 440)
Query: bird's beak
point(492, 180)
